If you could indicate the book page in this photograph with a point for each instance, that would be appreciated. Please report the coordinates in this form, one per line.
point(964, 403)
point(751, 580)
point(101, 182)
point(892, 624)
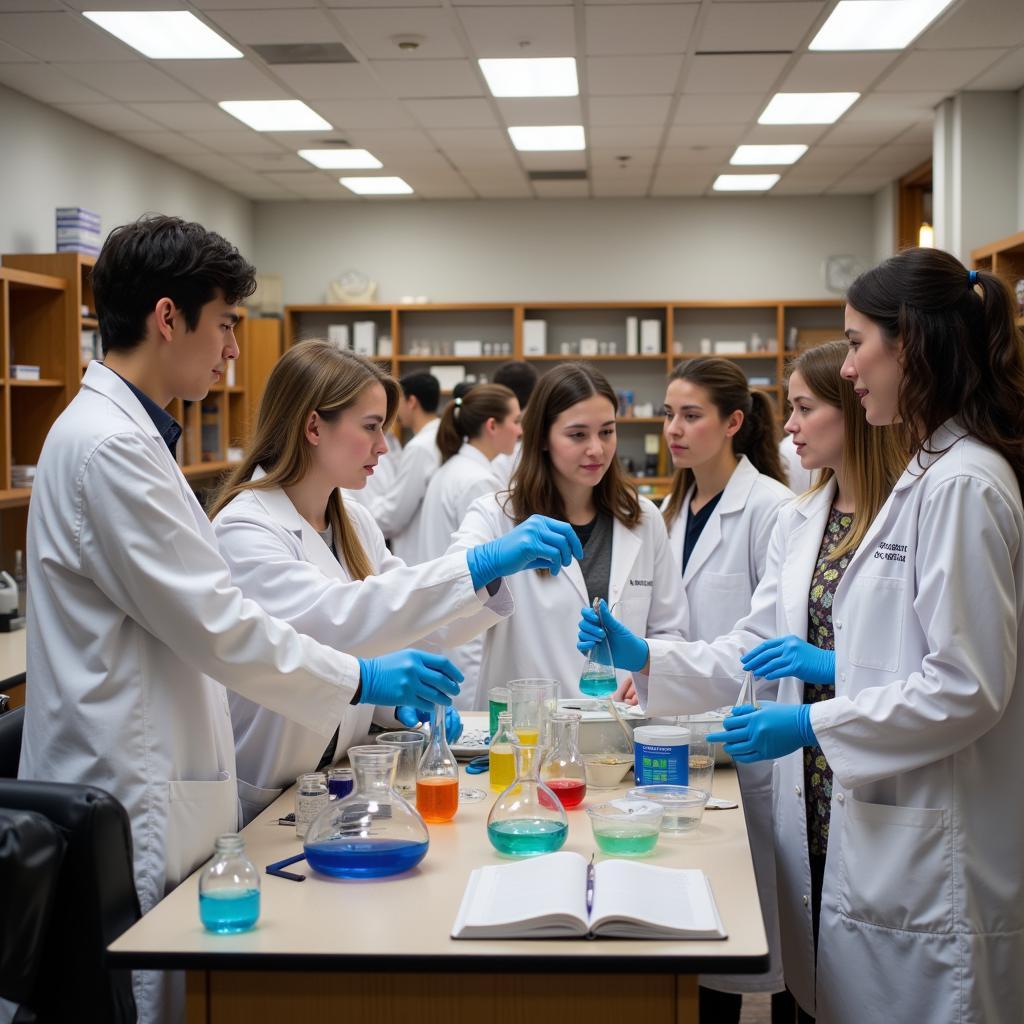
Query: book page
point(673, 901)
point(501, 896)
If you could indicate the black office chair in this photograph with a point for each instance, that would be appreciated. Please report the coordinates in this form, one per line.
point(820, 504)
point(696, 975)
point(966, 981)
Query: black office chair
point(96, 901)
point(31, 854)
point(11, 725)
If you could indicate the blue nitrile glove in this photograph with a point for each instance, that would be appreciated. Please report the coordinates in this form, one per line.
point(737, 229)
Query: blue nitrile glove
point(628, 650)
point(759, 734)
point(791, 656)
point(411, 717)
point(418, 678)
point(537, 543)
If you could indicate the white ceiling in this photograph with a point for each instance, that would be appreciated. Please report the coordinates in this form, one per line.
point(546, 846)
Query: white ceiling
point(672, 87)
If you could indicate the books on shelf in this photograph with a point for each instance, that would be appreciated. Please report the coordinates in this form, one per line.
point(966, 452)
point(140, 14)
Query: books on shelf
point(210, 431)
point(90, 346)
point(547, 898)
point(78, 230)
point(24, 371)
point(23, 476)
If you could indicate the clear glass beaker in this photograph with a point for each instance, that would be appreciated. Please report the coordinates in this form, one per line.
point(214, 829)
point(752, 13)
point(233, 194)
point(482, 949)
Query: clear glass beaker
point(437, 775)
point(562, 769)
point(532, 702)
point(229, 888)
point(598, 676)
point(410, 746)
point(373, 831)
point(501, 755)
point(527, 819)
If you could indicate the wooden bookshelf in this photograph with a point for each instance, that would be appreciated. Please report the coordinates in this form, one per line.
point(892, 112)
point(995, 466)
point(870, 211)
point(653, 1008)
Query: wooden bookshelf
point(1005, 258)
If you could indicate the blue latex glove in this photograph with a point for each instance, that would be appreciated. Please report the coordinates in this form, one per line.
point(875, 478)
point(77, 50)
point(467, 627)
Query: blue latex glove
point(411, 717)
point(759, 734)
point(418, 678)
point(537, 543)
point(791, 656)
point(628, 650)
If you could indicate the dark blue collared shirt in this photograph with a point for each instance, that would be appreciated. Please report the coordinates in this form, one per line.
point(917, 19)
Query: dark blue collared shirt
point(167, 426)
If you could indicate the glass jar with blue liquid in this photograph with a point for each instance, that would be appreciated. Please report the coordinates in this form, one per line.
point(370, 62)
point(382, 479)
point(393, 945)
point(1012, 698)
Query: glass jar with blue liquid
point(229, 888)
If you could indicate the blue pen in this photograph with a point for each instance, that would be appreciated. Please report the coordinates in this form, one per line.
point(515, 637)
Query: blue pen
point(590, 884)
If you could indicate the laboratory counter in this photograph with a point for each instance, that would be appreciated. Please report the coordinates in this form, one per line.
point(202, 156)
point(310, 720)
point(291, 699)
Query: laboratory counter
point(381, 949)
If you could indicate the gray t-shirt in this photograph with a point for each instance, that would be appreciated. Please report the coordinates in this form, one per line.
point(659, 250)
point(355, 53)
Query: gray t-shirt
point(596, 538)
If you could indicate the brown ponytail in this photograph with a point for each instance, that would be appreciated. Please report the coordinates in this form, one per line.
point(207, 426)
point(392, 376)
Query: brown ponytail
point(468, 412)
point(727, 389)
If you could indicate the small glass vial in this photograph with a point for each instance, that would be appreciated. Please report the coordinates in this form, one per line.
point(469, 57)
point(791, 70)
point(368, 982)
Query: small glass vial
point(339, 782)
point(501, 754)
point(311, 797)
point(229, 888)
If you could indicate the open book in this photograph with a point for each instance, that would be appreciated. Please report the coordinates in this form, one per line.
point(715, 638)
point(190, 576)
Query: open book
point(547, 898)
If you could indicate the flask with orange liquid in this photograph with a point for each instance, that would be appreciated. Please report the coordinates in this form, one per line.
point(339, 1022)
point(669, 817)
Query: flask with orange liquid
point(437, 776)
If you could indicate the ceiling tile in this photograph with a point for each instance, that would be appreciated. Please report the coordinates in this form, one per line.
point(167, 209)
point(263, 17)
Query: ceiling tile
point(10, 54)
point(428, 79)
point(445, 190)
point(352, 114)
point(944, 70)
point(308, 183)
point(391, 3)
point(188, 116)
point(975, 24)
point(374, 32)
point(624, 135)
point(641, 160)
point(384, 141)
point(61, 36)
point(547, 110)
point(502, 188)
point(904, 107)
point(453, 113)
point(244, 142)
point(111, 117)
point(785, 134)
point(835, 156)
point(33, 5)
point(682, 181)
point(831, 72)
point(694, 156)
point(636, 110)
point(164, 142)
point(230, 5)
point(283, 26)
point(472, 139)
point(633, 76)
point(573, 161)
point(135, 81)
point(686, 135)
point(210, 164)
point(735, 27)
point(738, 109)
point(863, 133)
point(43, 83)
point(478, 3)
point(478, 164)
point(330, 81)
point(562, 189)
point(923, 131)
point(224, 79)
point(619, 190)
point(796, 188)
point(855, 185)
point(1007, 74)
point(501, 31)
point(731, 73)
point(639, 28)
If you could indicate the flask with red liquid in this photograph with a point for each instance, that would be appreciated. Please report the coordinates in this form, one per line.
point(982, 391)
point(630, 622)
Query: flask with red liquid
point(562, 769)
point(437, 775)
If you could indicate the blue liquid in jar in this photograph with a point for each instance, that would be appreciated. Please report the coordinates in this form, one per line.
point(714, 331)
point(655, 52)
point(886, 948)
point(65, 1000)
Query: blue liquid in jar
point(527, 837)
point(598, 686)
point(364, 858)
point(338, 789)
point(227, 911)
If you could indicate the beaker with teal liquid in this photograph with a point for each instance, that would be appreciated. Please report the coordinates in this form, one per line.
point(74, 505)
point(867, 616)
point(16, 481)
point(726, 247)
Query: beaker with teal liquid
point(598, 676)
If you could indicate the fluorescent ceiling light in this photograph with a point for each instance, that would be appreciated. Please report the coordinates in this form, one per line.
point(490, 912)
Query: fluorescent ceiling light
point(764, 155)
point(382, 186)
point(341, 159)
point(876, 24)
point(276, 115)
point(165, 35)
point(531, 76)
point(548, 137)
point(744, 182)
point(807, 107)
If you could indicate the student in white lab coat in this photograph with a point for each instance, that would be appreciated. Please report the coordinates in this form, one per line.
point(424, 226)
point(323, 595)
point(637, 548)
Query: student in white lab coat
point(520, 378)
point(318, 561)
point(812, 546)
point(398, 510)
point(725, 499)
point(569, 471)
point(133, 622)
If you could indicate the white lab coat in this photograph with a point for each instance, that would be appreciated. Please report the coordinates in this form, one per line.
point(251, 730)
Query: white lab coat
point(922, 915)
point(540, 639)
point(381, 482)
point(280, 561)
point(505, 465)
point(725, 567)
point(131, 612)
point(399, 509)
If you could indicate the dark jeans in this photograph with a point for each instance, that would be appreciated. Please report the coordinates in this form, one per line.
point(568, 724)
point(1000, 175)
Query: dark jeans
point(817, 884)
point(724, 1007)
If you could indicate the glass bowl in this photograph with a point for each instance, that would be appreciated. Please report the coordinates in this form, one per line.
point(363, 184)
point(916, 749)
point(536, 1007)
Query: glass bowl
point(684, 806)
point(625, 827)
point(605, 770)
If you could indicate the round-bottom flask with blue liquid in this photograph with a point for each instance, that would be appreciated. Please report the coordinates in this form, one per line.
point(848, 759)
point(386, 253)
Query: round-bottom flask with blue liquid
point(373, 832)
point(229, 888)
point(527, 819)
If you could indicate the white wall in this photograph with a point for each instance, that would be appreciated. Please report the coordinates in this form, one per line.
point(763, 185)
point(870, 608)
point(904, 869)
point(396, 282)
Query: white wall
point(715, 248)
point(49, 160)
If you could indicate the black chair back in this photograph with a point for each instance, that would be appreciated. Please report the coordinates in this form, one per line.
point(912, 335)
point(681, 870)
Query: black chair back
point(12, 723)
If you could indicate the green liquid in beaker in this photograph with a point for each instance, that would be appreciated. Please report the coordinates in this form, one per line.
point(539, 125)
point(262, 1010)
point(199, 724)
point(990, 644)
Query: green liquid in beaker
point(527, 837)
point(627, 842)
point(598, 685)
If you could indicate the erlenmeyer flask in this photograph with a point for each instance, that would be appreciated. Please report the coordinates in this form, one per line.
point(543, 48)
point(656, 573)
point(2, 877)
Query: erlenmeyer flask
point(372, 832)
point(527, 819)
point(437, 776)
point(562, 769)
point(598, 676)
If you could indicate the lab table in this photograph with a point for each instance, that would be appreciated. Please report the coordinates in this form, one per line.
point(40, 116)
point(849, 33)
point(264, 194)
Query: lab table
point(380, 950)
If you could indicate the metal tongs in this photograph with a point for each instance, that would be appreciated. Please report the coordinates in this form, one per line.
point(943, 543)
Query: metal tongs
point(747, 692)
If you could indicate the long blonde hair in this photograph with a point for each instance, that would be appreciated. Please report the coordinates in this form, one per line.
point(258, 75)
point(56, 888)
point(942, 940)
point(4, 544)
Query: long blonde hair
point(873, 458)
point(313, 376)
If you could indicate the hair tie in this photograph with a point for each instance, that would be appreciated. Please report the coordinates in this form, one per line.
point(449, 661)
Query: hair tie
point(973, 277)
point(458, 402)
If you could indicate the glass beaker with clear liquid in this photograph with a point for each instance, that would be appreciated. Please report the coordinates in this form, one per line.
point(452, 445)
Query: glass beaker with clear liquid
point(598, 676)
point(531, 703)
point(437, 775)
point(562, 769)
point(527, 819)
point(372, 832)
